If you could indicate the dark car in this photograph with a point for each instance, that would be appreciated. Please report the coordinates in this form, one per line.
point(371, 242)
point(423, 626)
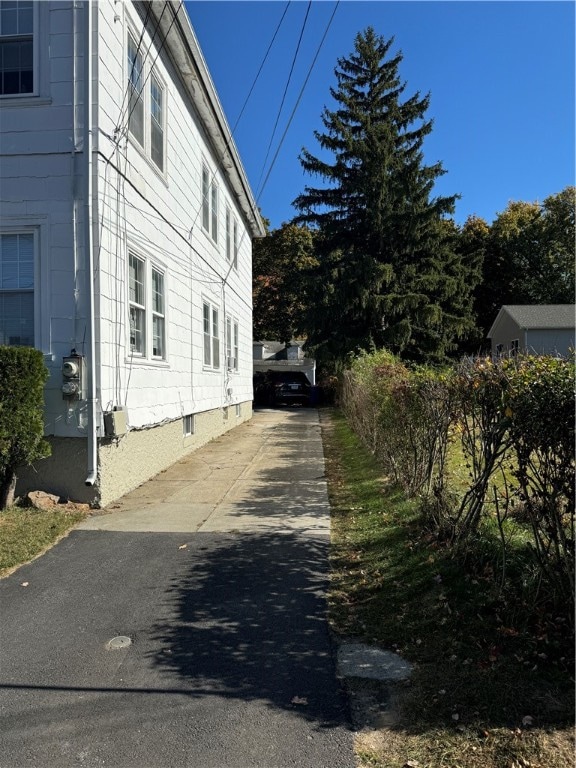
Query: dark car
point(281, 388)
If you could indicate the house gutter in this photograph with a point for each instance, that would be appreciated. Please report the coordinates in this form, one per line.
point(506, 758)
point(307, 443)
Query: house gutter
point(88, 255)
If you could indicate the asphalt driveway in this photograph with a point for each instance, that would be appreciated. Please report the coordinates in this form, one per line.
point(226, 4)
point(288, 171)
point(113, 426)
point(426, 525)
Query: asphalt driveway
point(186, 625)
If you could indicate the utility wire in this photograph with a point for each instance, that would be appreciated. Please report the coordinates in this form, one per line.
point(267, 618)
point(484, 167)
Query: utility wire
point(261, 67)
point(285, 92)
point(298, 100)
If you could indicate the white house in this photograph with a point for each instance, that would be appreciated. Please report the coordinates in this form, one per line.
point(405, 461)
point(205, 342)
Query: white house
point(126, 228)
point(541, 329)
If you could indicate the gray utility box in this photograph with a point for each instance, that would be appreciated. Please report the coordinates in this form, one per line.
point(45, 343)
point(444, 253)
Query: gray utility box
point(115, 423)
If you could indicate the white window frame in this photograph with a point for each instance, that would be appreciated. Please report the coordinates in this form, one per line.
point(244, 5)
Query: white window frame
point(231, 238)
point(149, 76)
point(235, 243)
point(154, 315)
point(20, 37)
point(158, 314)
point(135, 86)
point(38, 226)
point(232, 335)
point(136, 307)
point(211, 335)
point(210, 202)
point(159, 124)
point(23, 289)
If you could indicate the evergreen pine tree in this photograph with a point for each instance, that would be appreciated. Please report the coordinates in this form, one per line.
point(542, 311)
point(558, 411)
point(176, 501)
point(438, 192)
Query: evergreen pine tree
point(389, 273)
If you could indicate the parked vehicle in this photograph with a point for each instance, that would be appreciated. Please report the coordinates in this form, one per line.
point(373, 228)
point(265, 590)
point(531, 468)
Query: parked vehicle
point(274, 388)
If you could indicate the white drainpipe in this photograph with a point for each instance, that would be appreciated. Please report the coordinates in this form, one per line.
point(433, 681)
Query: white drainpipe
point(88, 255)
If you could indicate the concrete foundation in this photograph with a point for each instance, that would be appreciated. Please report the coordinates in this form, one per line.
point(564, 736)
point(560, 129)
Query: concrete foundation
point(126, 462)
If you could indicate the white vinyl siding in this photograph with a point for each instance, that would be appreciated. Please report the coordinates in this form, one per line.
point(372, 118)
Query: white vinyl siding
point(17, 289)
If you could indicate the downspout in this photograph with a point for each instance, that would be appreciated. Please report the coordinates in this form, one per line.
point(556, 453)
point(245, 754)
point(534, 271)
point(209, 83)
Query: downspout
point(88, 255)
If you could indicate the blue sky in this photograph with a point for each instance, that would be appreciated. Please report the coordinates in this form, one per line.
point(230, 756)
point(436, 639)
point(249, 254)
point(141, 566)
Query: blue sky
point(500, 75)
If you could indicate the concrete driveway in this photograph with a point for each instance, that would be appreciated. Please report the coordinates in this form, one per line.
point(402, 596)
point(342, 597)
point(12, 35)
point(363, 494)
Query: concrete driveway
point(185, 625)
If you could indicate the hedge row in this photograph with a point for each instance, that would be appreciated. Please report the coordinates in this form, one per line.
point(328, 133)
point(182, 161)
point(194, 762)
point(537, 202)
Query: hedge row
point(510, 423)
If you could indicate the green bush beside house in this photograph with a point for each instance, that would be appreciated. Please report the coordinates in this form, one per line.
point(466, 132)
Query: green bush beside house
point(22, 378)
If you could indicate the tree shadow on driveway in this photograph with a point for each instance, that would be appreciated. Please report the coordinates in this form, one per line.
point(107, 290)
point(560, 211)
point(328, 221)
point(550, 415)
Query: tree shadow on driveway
point(248, 620)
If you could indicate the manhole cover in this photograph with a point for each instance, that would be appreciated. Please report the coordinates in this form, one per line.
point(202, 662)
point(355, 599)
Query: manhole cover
point(121, 641)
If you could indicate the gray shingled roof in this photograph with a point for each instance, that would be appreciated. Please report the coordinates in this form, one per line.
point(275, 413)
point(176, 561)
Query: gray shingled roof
point(542, 315)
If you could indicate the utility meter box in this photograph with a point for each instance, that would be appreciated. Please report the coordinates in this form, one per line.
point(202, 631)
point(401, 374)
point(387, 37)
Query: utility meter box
point(72, 377)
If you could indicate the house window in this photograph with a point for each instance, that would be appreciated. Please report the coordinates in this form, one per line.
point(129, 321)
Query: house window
point(146, 104)
point(17, 289)
point(158, 317)
point(514, 347)
point(157, 122)
point(231, 238)
point(137, 306)
point(16, 47)
point(188, 425)
point(228, 234)
point(499, 350)
point(235, 244)
point(211, 335)
point(231, 344)
point(229, 360)
point(209, 204)
point(147, 309)
point(214, 211)
point(135, 92)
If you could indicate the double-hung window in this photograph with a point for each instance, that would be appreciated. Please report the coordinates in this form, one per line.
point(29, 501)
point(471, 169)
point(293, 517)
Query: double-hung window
point(17, 289)
point(147, 309)
point(210, 317)
point(137, 306)
point(157, 122)
point(16, 47)
point(158, 316)
point(231, 343)
point(231, 238)
point(146, 105)
point(209, 203)
point(135, 91)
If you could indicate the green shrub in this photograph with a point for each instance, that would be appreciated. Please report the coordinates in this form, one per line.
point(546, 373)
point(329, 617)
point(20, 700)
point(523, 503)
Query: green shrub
point(513, 425)
point(22, 378)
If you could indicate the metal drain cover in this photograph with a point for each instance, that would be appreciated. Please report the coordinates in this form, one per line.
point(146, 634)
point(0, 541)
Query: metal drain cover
point(121, 641)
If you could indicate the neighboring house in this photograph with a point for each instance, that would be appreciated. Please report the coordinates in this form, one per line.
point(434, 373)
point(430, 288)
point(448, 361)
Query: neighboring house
point(533, 329)
point(276, 356)
point(126, 228)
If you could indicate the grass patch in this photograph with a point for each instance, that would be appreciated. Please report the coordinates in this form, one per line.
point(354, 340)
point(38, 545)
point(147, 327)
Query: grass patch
point(493, 679)
point(26, 533)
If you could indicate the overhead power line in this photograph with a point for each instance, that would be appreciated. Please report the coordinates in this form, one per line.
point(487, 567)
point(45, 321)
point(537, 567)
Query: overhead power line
point(298, 100)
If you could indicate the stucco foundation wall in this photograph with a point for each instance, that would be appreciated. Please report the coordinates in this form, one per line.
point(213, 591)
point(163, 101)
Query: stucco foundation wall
point(63, 473)
point(126, 463)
